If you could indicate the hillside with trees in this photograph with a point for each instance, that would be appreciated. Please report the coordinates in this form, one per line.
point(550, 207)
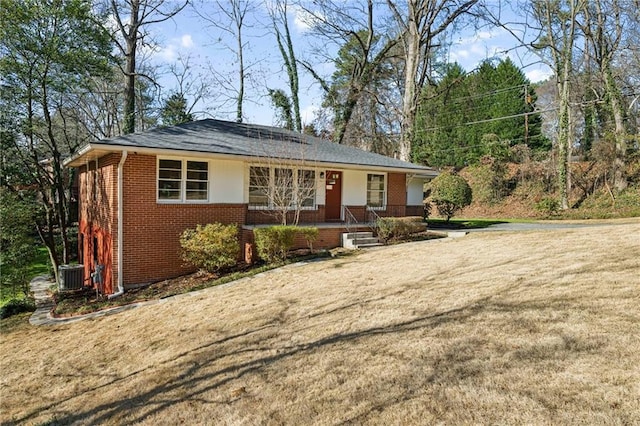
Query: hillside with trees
point(78, 70)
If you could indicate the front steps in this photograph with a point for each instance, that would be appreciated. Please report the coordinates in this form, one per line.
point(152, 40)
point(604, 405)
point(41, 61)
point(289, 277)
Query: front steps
point(355, 240)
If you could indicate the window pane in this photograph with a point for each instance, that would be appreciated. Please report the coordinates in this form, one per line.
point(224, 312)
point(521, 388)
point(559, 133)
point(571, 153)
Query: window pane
point(200, 186)
point(375, 190)
point(169, 174)
point(196, 195)
point(171, 164)
point(168, 194)
point(258, 186)
point(193, 175)
point(198, 165)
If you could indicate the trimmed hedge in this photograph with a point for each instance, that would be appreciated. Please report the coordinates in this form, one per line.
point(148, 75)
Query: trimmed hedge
point(211, 247)
point(273, 243)
point(399, 227)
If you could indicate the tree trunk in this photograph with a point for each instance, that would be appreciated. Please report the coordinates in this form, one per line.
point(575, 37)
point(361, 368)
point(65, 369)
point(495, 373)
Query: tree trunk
point(412, 55)
point(619, 177)
point(130, 70)
point(241, 75)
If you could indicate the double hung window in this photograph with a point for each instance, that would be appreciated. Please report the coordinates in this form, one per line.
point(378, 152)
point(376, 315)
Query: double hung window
point(281, 187)
point(183, 181)
point(375, 191)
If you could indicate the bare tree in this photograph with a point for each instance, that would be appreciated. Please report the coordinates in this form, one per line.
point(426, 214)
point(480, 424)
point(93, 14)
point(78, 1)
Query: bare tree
point(193, 86)
point(280, 22)
point(421, 23)
point(603, 26)
point(229, 16)
point(359, 31)
point(283, 183)
point(130, 35)
point(558, 21)
point(555, 28)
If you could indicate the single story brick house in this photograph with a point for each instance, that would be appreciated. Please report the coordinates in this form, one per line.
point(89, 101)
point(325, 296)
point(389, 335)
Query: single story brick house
point(139, 192)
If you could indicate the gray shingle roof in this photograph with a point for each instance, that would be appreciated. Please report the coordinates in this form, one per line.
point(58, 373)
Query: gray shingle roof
point(229, 138)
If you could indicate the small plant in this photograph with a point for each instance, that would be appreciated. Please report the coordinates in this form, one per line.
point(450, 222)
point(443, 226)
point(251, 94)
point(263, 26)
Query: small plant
point(16, 306)
point(274, 242)
point(398, 227)
point(211, 247)
point(548, 206)
point(450, 193)
point(310, 235)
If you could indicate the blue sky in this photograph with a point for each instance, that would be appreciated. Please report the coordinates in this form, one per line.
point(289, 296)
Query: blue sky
point(187, 35)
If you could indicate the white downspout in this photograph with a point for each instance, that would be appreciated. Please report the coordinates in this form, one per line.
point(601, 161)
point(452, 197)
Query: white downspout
point(120, 210)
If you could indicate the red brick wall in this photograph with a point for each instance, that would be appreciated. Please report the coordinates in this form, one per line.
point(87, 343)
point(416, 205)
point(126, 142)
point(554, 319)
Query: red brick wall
point(152, 230)
point(397, 192)
point(255, 217)
point(97, 215)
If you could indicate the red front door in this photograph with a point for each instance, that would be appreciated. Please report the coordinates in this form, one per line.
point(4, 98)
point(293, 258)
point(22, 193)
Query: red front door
point(333, 195)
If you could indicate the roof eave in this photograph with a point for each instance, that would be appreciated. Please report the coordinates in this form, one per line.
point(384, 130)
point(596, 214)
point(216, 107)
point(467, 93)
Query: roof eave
point(84, 155)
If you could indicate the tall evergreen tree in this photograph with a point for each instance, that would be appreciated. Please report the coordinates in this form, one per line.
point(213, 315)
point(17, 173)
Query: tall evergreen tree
point(467, 116)
point(175, 111)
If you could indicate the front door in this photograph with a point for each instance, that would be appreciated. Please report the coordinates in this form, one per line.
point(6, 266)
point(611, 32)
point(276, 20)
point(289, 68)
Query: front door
point(333, 195)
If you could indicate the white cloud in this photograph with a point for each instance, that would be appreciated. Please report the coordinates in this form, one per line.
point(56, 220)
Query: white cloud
point(167, 53)
point(186, 41)
point(538, 75)
point(303, 20)
point(308, 114)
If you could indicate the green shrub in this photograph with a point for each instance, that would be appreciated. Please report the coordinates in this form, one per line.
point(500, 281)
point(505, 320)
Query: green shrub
point(398, 227)
point(274, 242)
point(450, 193)
point(488, 181)
point(310, 235)
point(16, 306)
point(548, 206)
point(211, 247)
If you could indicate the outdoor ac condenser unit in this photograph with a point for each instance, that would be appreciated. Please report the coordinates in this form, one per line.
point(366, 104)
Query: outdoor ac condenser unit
point(71, 277)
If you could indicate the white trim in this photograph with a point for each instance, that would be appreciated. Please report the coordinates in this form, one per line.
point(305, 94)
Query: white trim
point(166, 153)
point(183, 181)
point(385, 192)
point(272, 168)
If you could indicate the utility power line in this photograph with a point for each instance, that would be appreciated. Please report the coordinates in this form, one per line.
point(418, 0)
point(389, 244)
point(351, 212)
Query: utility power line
point(488, 120)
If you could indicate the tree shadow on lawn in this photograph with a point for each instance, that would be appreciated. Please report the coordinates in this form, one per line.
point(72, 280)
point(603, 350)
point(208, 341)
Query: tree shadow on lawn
point(193, 381)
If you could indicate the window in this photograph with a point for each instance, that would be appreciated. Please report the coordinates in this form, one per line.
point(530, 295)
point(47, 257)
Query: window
point(375, 191)
point(197, 180)
point(307, 187)
point(281, 187)
point(183, 180)
point(259, 186)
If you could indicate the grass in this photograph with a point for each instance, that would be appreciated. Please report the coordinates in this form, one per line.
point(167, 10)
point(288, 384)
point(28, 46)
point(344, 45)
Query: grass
point(534, 327)
point(41, 264)
point(86, 301)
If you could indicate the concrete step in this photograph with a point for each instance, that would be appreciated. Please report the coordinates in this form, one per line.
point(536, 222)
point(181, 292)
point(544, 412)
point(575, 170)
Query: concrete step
point(356, 240)
point(369, 245)
point(361, 234)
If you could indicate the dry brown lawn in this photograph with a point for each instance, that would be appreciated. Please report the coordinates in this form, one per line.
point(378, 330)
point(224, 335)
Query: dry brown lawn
point(495, 328)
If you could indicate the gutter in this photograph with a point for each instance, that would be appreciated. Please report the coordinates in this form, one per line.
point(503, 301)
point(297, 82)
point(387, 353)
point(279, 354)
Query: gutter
point(120, 291)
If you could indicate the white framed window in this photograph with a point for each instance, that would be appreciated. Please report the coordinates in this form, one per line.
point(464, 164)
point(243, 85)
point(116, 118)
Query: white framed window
point(183, 181)
point(259, 186)
point(278, 187)
point(307, 188)
point(376, 193)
